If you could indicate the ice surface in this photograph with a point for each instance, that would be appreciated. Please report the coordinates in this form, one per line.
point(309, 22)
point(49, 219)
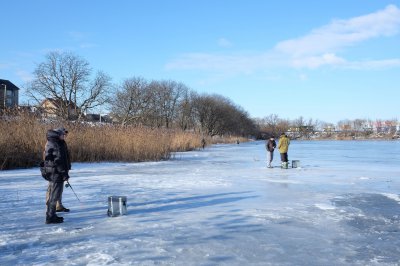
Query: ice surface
point(218, 206)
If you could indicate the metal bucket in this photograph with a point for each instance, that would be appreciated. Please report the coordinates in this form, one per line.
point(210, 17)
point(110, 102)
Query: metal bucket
point(295, 163)
point(116, 206)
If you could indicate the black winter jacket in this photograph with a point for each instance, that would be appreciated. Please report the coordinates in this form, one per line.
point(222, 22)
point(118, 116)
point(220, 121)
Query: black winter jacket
point(271, 145)
point(56, 156)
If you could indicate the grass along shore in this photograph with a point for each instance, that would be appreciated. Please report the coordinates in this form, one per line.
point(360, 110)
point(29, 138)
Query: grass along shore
point(22, 141)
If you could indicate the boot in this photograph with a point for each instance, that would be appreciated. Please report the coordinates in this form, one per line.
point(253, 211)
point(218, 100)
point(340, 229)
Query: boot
point(54, 220)
point(62, 209)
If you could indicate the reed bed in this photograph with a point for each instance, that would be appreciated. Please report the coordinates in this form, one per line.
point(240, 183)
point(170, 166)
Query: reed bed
point(23, 137)
point(226, 139)
point(21, 142)
point(115, 143)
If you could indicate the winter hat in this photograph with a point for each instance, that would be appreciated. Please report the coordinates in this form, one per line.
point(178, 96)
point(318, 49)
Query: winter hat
point(61, 131)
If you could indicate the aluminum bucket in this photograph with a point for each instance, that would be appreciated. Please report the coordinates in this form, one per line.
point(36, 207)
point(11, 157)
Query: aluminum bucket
point(295, 163)
point(116, 206)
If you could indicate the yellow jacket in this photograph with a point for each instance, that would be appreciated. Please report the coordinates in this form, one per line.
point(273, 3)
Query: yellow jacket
point(283, 145)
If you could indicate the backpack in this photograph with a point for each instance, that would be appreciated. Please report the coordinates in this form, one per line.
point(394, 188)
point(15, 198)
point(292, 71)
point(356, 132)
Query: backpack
point(45, 171)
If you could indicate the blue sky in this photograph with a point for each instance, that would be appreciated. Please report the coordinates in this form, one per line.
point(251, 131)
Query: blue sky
point(326, 60)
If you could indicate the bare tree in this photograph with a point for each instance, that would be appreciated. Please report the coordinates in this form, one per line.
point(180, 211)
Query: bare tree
point(66, 79)
point(131, 104)
point(282, 126)
point(186, 112)
point(393, 127)
point(171, 104)
point(299, 127)
point(217, 115)
point(206, 113)
point(358, 124)
point(167, 96)
point(271, 124)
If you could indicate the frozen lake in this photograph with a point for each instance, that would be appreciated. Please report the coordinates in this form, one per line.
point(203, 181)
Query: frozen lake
point(218, 206)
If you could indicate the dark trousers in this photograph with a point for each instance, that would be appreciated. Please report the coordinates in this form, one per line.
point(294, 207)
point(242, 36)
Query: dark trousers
point(284, 157)
point(59, 205)
point(55, 190)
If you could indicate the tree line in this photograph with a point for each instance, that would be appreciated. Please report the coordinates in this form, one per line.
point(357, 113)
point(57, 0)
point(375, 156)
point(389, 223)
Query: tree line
point(67, 78)
point(306, 128)
point(172, 104)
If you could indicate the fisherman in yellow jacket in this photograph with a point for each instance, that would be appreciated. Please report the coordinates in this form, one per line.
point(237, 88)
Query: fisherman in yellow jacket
point(283, 147)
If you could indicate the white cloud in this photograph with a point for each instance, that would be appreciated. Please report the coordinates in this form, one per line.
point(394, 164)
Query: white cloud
point(318, 61)
point(373, 64)
point(317, 49)
point(344, 33)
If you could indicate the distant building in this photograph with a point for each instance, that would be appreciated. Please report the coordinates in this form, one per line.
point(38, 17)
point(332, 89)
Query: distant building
point(368, 126)
point(8, 94)
point(385, 126)
point(53, 107)
point(345, 127)
point(329, 129)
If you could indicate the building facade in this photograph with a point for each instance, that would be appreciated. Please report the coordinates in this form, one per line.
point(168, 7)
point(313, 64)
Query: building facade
point(57, 108)
point(8, 94)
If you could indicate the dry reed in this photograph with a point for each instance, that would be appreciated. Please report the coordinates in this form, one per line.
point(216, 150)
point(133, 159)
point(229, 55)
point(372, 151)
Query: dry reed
point(23, 137)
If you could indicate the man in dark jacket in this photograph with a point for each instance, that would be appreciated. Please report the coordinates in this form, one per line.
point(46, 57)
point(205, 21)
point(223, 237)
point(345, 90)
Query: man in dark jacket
point(270, 145)
point(55, 159)
point(63, 134)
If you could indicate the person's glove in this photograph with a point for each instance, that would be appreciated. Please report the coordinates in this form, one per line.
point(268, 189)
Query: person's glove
point(66, 177)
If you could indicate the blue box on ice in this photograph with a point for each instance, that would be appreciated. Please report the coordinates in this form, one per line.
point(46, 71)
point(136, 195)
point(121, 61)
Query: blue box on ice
point(116, 206)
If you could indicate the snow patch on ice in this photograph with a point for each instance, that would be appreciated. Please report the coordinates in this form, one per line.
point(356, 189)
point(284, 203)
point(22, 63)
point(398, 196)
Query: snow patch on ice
point(285, 181)
point(4, 239)
point(392, 196)
point(324, 206)
point(58, 231)
point(96, 259)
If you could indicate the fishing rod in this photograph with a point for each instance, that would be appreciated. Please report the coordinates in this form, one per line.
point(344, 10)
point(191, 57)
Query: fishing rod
point(69, 185)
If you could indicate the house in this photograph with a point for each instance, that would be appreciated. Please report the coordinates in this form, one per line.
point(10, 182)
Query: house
point(385, 126)
point(329, 129)
point(57, 108)
point(8, 94)
point(368, 126)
